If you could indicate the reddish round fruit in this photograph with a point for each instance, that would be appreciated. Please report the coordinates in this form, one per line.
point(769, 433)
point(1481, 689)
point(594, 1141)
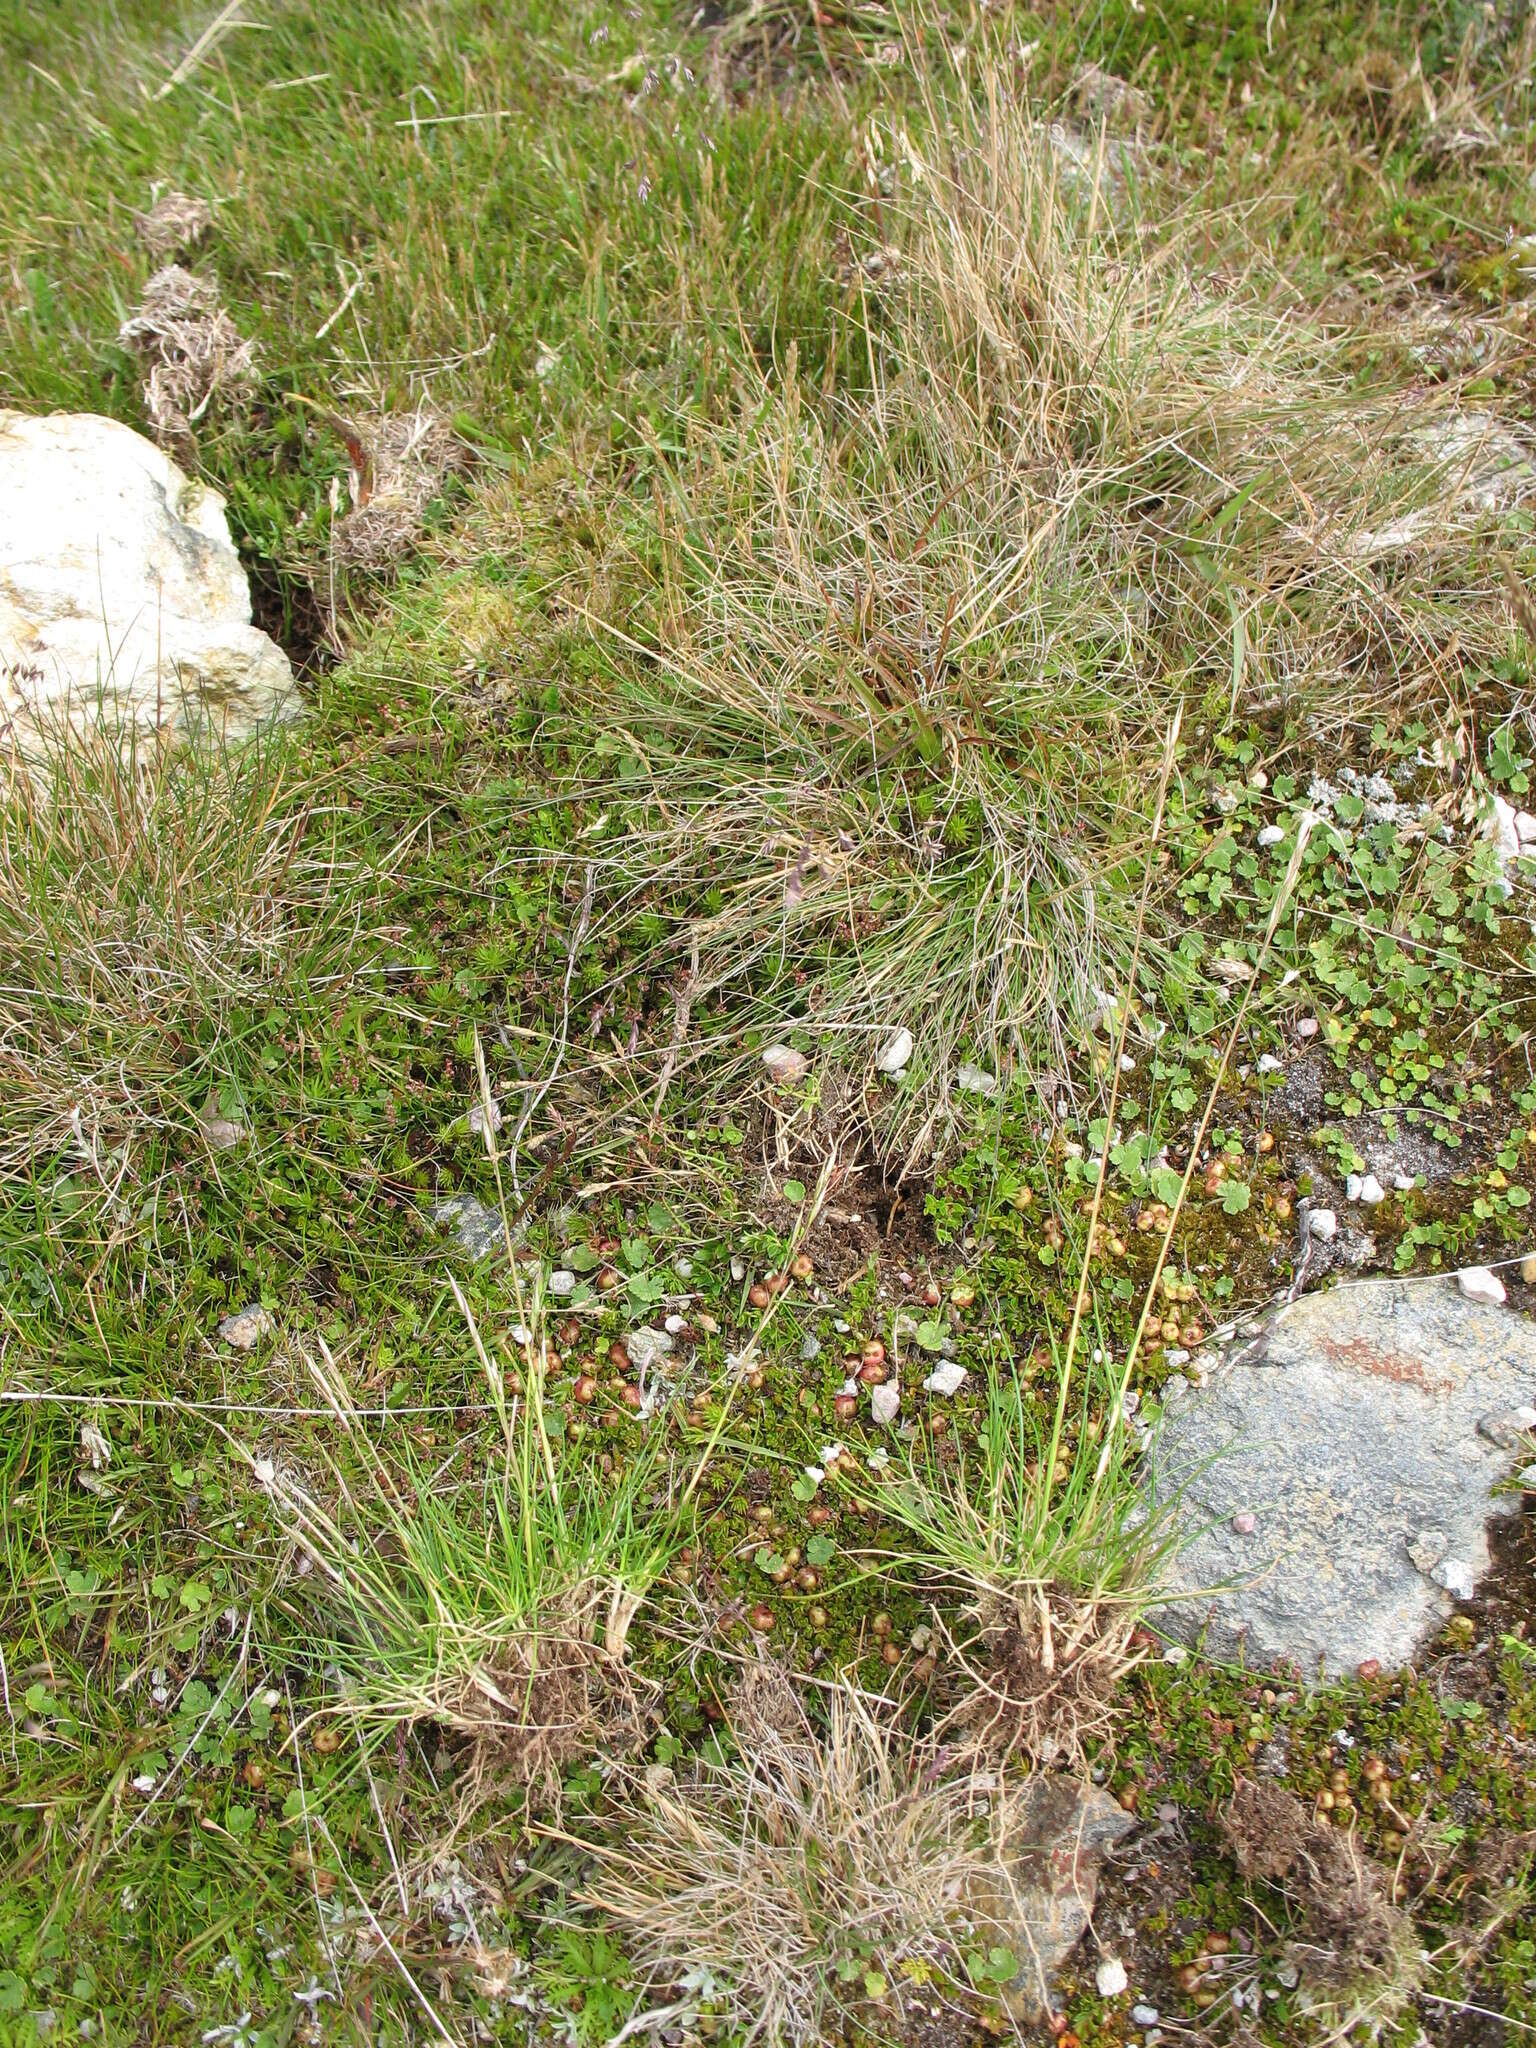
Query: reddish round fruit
point(873, 1373)
point(631, 1397)
point(607, 1280)
point(758, 1295)
point(762, 1619)
point(874, 1352)
point(585, 1388)
point(618, 1356)
point(890, 1653)
point(845, 1406)
point(801, 1266)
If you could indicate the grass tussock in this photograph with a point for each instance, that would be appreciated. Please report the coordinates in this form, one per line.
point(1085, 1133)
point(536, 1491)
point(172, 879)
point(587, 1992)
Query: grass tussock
point(153, 904)
point(1357, 1948)
point(816, 1880)
point(497, 1613)
point(882, 664)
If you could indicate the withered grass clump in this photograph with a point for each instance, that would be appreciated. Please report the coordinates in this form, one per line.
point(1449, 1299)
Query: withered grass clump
point(400, 463)
point(191, 353)
point(176, 222)
point(1355, 1947)
point(814, 1881)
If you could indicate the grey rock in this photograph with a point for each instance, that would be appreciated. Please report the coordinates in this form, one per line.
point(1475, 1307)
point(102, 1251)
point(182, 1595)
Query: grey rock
point(1053, 1862)
point(562, 1281)
point(647, 1347)
point(474, 1223)
point(1352, 1427)
point(810, 1347)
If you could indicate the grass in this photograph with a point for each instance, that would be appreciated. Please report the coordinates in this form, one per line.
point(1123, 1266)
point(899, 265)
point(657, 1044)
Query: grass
point(841, 480)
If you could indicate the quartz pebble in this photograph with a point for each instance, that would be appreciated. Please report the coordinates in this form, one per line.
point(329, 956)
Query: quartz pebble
point(947, 1378)
point(1307, 1027)
point(1322, 1223)
point(896, 1052)
point(1271, 835)
point(562, 1282)
point(1456, 1577)
point(1245, 1521)
point(1477, 1283)
point(1144, 2015)
point(1364, 1187)
point(1110, 1977)
point(1268, 1064)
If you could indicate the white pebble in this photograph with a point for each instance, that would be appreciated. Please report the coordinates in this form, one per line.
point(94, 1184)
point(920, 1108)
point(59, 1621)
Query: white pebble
point(521, 1334)
point(896, 1052)
point(1478, 1284)
point(947, 1378)
point(1323, 1224)
point(974, 1080)
point(784, 1063)
point(562, 1281)
point(1144, 2015)
point(1307, 1027)
point(1271, 836)
point(1110, 1977)
point(1268, 1064)
point(1371, 1191)
point(1403, 1182)
point(738, 1270)
point(885, 1402)
point(675, 1325)
point(1245, 1521)
point(1456, 1577)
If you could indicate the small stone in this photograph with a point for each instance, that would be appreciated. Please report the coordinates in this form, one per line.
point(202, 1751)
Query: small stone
point(1403, 1182)
point(683, 1268)
point(1144, 2015)
point(975, 1081)
point(1323, 1224)
point(1110, 1977)
point(896, 1052)
point(647, 1347)
point(810, 1348)
point(675, 1325)
point(947, 1378)
point(1364, 1187)
point(1456, 1577)
point(1307, 1027)
point(1233, 971)
point(738, 1270)
point(1245, 1521)
point(562, 1282)
point(1271, 835)
point(1477, 1283)
point(885, 1402)
point(1528, 1269)
point(1427, 1548)
point(785, 1065)
point(1267, 1063)
point(244, 1330)
point(223, 1133)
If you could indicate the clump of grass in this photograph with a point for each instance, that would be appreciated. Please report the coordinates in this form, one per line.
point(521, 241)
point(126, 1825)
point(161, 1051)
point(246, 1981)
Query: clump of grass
point(815, 1881)
point(498, 1613)
point(884, 665)
point(153, 900)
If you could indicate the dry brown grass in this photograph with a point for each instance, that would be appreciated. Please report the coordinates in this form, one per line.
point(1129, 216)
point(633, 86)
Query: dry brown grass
point(1358, 1950)
point(191, 354)
point(815, 1881)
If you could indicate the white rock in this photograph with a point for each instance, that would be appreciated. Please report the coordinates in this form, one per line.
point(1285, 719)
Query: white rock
point(1233, 970)
point(1307, 1027)
point(1455, 1575)
point(974, 1080)
point(1403, 1182)
point(810, 1347)
point(896, 1052)
point(1110, 1977)
point(1525, 828)
point(1372, 1192)
point(947, 1378)
point(1271, 835)
point(1322, 1223)
point(1268, 1064)
point(562, 1282)
point(784, 1064)
point(121, 581)
point(885, 1401)
point(245, 1329)
point(223, 1133)
point(1144, 2015)
point(675, 1325)
point(1478, 1284)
